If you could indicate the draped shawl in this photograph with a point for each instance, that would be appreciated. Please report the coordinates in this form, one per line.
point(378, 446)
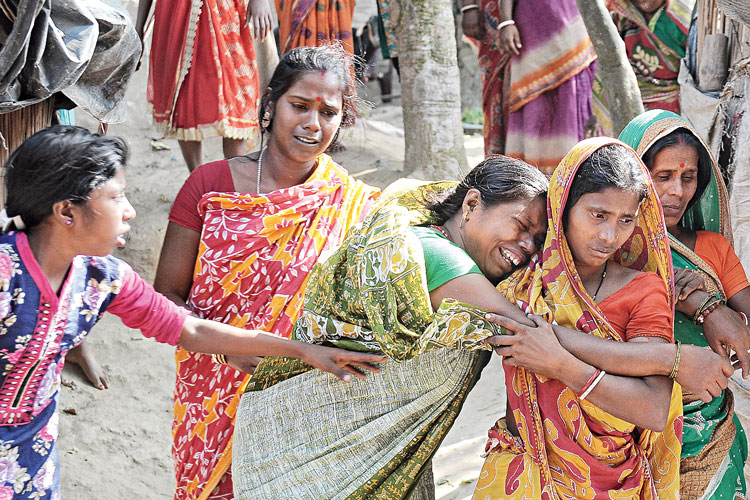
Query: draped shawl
point(303, 432)
point(714, 443)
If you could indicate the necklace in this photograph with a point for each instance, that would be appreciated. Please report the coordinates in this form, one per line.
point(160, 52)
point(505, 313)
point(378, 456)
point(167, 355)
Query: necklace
point(442, 231)
point(260, 167)
point(604, 273)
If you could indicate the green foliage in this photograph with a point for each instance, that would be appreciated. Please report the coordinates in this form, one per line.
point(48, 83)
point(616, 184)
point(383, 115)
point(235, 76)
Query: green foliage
point(474, 116)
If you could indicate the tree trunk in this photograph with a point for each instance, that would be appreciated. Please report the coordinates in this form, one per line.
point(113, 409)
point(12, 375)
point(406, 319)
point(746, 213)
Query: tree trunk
point(430, 88)
point(618, 78)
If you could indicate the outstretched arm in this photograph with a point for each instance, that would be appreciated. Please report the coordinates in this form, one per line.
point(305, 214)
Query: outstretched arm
point(210, 337)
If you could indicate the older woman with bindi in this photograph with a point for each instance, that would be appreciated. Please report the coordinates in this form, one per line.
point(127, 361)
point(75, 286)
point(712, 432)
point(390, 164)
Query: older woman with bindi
point(695, 202)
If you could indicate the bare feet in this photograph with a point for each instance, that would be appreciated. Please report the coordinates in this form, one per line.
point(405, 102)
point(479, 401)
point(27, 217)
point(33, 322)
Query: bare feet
point(83, 356)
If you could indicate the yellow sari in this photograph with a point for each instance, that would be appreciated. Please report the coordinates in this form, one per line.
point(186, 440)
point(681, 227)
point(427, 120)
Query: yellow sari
point(569, 448)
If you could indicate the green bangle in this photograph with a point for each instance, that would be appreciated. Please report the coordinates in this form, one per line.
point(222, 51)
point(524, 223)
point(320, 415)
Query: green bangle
point(708, 303)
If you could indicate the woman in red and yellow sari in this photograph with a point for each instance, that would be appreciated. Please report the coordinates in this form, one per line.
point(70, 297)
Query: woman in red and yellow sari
point(242, 238)
point(575, 426)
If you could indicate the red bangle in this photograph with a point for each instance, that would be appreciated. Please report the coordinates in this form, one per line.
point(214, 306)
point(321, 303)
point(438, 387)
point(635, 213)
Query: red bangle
point(589, 382)
point(744, 317)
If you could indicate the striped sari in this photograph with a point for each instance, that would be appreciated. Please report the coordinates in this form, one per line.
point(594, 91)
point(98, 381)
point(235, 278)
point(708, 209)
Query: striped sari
point(567, 447)
point(253, 262)
point(311, 23)
point(552, 77)
point(714, 447)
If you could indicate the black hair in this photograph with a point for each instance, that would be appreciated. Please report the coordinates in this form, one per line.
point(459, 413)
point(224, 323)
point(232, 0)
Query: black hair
point(683, 136)
point(59, 163)
point(499, 179)
point(296, 63)
point(611, 166)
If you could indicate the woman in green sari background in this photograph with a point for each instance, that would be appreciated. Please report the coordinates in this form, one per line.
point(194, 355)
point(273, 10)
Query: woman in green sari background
point(694, 201)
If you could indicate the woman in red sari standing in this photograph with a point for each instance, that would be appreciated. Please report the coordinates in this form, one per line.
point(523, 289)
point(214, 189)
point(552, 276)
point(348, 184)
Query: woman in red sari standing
point(203, 80)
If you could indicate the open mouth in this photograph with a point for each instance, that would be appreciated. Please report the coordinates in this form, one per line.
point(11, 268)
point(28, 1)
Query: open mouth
point(121, 238)
point(512, 259)
point(307, 140)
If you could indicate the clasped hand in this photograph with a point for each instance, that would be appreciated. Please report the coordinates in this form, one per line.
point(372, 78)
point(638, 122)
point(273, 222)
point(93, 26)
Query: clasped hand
point(535, 348)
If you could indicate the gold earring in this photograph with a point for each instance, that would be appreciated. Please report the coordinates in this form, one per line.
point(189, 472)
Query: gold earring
point(463, 219)
point(266, 121)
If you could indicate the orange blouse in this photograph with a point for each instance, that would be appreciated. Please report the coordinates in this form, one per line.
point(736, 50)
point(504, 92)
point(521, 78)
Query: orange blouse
point(719, 254)
point(640, 309)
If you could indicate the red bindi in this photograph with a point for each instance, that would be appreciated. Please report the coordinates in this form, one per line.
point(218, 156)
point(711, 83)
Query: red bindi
point(318, 99)
point(682, 165)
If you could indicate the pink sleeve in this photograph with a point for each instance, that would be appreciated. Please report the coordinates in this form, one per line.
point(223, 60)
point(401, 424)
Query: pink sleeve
point(214, 176)
point(141, 307)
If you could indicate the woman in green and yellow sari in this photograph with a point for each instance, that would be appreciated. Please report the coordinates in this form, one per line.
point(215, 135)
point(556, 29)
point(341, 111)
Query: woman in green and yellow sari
point(694, 201)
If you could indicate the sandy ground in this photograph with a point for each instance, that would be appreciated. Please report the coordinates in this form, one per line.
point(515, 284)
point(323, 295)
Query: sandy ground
point(115, 444)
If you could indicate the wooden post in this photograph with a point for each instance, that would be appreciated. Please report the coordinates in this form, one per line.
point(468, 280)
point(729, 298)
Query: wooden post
point(713, 65)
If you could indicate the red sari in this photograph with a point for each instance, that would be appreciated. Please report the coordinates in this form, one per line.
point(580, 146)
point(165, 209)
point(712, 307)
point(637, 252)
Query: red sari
point(202, 79)
point(253, 261)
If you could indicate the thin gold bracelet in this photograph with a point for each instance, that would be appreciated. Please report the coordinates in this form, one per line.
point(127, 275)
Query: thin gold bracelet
point(676, 365)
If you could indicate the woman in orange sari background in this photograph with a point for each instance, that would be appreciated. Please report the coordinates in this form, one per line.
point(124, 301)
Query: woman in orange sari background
point(242, 238)
point(573, 429)
point(314, 22)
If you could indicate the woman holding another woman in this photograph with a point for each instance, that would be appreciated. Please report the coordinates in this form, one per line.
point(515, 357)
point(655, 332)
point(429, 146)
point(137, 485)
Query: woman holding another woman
point(384, 290)
point(243, 235)
point(601, 417)
point(388, 289)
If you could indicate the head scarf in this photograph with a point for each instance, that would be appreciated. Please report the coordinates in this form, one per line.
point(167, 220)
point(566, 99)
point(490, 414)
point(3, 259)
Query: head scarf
point(709, 213)
point(566, 438)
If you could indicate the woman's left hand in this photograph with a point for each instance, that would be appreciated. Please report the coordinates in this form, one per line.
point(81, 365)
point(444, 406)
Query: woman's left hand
point(686, 282)
point(534, 348)
point(260, 18)
point(342, 363)
point(726, 331)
